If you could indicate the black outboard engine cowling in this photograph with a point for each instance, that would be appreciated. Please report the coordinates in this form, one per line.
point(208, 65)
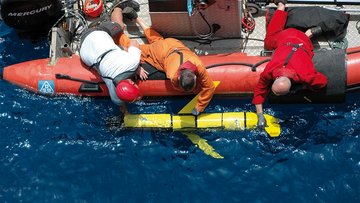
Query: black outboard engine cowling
point(31, 14)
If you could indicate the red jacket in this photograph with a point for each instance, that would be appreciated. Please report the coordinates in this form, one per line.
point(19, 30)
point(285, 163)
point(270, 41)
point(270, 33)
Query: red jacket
point(300, 68)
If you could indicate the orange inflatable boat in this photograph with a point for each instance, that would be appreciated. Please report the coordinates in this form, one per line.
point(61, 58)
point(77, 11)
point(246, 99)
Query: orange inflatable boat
point(237, 73)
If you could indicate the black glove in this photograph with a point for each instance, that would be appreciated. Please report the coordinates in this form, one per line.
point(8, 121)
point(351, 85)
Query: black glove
point(195, 112)
point(129, 13)
point(282, 1)
point(129, 3)
point(316, 31)
point(261, 121)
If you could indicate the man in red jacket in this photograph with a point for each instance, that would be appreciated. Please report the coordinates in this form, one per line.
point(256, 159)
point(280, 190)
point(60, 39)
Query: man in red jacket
point(291, 62)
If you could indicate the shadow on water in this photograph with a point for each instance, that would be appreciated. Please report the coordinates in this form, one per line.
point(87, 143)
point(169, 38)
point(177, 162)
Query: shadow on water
point(15, 46)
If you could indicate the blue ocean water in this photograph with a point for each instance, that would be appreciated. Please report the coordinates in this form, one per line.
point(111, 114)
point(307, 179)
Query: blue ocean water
point(70, 149)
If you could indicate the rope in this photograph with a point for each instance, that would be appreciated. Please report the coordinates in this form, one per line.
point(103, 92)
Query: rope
point(211, 30)
point(248, 21)
point(358, 26)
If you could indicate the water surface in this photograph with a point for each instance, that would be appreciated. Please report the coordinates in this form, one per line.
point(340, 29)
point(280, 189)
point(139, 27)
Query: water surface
point(71, 149)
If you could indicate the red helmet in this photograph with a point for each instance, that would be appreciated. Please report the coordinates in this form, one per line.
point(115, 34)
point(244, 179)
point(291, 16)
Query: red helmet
point(93, 8)
point(127, 91)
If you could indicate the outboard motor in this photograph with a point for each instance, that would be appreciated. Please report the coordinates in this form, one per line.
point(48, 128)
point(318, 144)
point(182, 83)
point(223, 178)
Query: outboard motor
point(30, 15)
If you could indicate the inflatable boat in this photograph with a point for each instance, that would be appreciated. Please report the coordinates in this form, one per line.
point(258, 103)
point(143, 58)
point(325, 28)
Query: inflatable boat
point(234, 73)
point(237, 74)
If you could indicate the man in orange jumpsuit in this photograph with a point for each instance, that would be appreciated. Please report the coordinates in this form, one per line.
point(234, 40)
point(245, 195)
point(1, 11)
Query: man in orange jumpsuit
point(291, 62)
point(182, 66)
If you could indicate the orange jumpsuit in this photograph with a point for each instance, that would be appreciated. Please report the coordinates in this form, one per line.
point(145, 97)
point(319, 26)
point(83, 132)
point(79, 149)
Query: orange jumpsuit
point(160, 54)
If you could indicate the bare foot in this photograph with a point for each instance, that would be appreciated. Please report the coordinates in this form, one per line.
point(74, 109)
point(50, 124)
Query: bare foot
point(308, 33)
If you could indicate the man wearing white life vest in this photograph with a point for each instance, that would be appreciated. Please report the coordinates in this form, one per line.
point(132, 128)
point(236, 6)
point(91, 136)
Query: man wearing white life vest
point(115, 65)
point(291, 62)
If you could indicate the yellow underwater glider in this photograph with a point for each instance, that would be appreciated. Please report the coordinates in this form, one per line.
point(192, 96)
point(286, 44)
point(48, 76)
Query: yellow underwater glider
point(184, 121)
point(226, 121)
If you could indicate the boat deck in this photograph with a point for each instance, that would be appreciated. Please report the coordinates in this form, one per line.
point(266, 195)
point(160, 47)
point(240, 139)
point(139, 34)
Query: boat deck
point(230, 37)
